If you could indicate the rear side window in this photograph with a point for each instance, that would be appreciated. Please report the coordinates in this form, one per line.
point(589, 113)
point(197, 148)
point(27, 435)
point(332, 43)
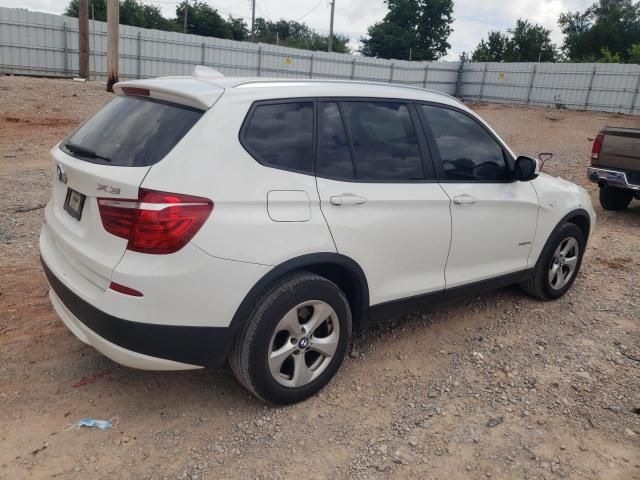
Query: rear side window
point(131, 132)
point(334, 153)
point(467, 151)
point(383, 142)
point(281, 135)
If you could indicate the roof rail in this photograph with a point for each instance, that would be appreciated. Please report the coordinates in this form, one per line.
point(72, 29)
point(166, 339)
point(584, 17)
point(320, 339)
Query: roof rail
point(304, 81)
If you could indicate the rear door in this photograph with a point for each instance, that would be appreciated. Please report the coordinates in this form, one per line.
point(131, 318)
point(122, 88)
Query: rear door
point(108, 157)
point(378, 194)
point(494, 217)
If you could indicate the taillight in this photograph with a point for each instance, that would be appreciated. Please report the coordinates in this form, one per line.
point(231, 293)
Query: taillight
point(597, 146)
point(157, 222)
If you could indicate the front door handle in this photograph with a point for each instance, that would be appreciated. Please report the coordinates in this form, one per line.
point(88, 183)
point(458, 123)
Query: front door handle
point(464, 199)
point(347, 199)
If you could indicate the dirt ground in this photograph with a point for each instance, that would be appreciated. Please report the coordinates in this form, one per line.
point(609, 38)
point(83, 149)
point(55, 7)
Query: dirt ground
point(497, 386)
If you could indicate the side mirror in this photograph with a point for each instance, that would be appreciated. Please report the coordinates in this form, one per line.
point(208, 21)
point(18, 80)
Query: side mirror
point(526, 168)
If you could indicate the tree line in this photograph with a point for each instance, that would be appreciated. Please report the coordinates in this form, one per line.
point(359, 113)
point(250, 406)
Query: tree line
point(205, 20)
point(608, 31)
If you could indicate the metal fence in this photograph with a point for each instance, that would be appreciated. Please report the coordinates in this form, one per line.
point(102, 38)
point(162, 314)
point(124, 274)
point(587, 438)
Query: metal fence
point(35, 43)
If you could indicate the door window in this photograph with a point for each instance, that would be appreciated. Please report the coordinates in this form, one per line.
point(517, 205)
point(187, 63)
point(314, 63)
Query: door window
point(467, 151)
point(369, 141)
point(334, 154)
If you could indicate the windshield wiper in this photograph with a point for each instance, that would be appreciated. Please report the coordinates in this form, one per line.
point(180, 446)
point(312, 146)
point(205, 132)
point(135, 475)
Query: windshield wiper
point(85, 152)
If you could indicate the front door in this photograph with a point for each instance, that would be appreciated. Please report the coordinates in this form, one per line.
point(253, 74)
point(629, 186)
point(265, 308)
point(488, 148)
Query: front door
point(493, 217)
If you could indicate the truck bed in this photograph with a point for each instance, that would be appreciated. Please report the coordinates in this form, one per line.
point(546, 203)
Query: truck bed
point(620, 149)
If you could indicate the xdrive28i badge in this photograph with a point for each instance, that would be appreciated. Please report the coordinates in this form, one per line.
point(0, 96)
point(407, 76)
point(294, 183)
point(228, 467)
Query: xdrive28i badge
point(62, 175)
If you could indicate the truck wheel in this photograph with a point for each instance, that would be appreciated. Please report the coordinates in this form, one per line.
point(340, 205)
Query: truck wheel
point(295, 340)
point(558, 264)
point(614, 198)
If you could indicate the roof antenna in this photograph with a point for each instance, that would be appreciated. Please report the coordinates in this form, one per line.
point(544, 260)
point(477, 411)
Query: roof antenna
point(200, 71)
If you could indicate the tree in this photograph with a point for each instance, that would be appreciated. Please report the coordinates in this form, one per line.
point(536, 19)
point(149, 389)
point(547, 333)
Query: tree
point(493, 49)
point(238, 27)
point(634, 53)
point(606, 56)
point(531, 43)
point(419, 26)
point(613, 25)
point(97, 8)
point(525, 43)
point(297, 35)
point(202, 19)
point(132, 12)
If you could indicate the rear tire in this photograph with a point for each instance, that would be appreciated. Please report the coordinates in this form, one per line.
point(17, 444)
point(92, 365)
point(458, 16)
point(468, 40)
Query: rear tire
point(614, 198)
point(558, 264)
point(294, 341)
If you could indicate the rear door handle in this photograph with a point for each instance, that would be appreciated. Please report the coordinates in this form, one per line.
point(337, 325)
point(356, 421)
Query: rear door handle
point(347, 199)
point(464, 199)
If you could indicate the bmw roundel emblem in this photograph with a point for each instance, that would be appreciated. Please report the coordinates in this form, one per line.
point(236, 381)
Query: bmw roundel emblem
point(62, 175)
point(304, 342)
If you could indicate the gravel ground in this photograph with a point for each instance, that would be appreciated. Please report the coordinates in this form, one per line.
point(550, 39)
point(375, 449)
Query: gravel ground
point(496, 386)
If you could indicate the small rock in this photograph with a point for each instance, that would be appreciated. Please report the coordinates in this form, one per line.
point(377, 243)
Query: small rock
point(629, 433)
point(495, 422)
point(354, 354)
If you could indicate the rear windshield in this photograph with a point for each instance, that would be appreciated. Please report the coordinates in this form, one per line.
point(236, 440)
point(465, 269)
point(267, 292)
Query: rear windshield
point(131, 132)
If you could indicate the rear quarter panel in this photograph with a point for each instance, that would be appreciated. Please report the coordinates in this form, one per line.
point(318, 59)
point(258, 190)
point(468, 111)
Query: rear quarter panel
point(210, 162)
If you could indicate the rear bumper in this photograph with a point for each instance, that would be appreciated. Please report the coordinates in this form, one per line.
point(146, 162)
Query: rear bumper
point(613, 178)
point(139, 345)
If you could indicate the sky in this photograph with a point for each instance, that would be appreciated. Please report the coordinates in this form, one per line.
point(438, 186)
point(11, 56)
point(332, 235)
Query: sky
point(473, 19)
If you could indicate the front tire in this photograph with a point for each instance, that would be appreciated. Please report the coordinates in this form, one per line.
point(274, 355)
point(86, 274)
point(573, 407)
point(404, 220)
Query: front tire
point(614, 198)
point(558, 264)
point(295, 340)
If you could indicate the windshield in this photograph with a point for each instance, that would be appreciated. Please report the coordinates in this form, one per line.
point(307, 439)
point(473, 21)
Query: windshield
point(131, 132)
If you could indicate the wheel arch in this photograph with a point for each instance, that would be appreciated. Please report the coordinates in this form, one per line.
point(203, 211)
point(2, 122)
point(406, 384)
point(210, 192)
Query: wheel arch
point(345, 272)
point(579, 217)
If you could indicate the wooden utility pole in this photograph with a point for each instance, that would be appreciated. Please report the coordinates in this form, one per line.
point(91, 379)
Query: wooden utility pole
point(333, 6)
point(253, 20)
point(186, 14)
point(83, 29)
point(113, 34)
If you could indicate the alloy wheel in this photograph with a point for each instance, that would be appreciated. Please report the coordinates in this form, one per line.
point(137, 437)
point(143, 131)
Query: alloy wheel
point(564, 262)
point(303, 343)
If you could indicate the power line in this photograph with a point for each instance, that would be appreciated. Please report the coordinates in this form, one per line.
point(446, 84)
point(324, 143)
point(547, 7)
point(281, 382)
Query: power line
point(310, 11)
point(264, 2)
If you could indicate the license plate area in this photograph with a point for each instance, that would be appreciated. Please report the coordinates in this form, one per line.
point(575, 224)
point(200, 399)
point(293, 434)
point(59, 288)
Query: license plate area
point(73, 203)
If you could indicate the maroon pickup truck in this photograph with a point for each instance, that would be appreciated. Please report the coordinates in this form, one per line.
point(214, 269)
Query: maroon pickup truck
point(615, 166)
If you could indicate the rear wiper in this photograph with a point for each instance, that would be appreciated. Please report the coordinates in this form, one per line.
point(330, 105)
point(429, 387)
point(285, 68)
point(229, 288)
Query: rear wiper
point(85, 152)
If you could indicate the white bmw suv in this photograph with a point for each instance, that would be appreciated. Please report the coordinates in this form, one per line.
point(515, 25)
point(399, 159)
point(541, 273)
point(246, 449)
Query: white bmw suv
point(204, 218)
